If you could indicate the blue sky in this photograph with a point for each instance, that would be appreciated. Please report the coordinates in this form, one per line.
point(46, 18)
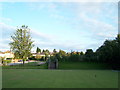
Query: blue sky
point(68, 26)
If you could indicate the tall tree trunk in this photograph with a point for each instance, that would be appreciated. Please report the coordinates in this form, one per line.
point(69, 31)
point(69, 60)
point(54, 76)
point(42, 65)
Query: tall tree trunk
point(23, 61)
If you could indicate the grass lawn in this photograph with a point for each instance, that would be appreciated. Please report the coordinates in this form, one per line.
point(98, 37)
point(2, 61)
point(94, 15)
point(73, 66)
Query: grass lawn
point(62, 65)
point(30, 65)
point(39, 78)
point(83, 65)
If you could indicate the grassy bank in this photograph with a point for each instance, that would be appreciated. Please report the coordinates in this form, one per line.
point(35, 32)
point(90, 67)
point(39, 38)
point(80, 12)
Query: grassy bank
point(62, 65)
point(83, 65)
point(30, 65)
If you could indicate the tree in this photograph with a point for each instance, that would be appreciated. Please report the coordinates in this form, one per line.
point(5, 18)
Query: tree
point(22, 43)
point(118, 49)
point(47, 51)
point(89, 55)
point(43, 51)
point(109, 52)
point(81, 53)
point(62, 53)
point(73, 56)
point(2, 60)
point(54, 51)
point(38, 50)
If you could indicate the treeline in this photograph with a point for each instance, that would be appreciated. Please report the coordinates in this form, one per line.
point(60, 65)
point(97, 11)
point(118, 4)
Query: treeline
point(88, 56)
point(39, 57)
point(46, 52)
point(108, 53)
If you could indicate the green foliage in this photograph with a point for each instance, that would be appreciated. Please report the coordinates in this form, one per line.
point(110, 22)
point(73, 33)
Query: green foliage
point(110, 52)
point(32, 58)
point(5, 62)
point(8, 58)
point(54, 51)
point(81, 53)
point(73, 56)
point(42, 59)
point(89, 55)
point(61, 55)
point(52, 58)
point(38, 50)
point(43, 51)
point(47, 52)
point(22, 43)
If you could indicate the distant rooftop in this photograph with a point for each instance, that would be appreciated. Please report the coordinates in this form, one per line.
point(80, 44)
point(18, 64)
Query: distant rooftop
point(5, 52)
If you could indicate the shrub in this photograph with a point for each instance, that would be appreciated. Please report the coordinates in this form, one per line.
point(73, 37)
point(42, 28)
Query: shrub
point(8, 58)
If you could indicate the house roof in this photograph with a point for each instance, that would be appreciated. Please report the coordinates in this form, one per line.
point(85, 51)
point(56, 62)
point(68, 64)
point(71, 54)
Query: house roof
point(5, 52)
point(38, 53)
point(41, 53)
point(1, 52)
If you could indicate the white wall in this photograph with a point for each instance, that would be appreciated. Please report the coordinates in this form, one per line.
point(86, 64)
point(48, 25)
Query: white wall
point(7, 55)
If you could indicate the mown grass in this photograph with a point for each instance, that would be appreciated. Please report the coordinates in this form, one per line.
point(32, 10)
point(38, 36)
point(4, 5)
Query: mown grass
point(39, 78)
point(61, 65)
point(30, 65)
point(83, 65)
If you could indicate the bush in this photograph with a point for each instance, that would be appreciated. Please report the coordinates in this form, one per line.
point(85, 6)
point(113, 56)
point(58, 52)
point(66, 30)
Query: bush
point(8, 58)
point(5, 62)
point(32, 58)
point(42, 59)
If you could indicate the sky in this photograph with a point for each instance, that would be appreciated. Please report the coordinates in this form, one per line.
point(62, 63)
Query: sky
point(75, 26)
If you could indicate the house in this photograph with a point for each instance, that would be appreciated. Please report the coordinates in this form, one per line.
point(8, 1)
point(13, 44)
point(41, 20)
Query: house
point(7, 55)
point(39, 55)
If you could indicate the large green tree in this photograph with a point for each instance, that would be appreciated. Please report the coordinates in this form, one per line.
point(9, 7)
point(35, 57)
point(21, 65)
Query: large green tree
point(61, 55)
point(22, 43)
point(89, 55)
point(54, 51)
point(38, 50)
point(109, 52)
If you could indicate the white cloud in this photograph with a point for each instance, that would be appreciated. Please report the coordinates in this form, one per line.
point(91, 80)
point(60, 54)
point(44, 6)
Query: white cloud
point(4, 47)
point(40, 35)
point(3, 19)
point(97, 9)
point(0, 9)
point(109, 35)
point(6, 27)
point(59, 0)
point(59, 44)
point(98, 18)
point(47, 41)
point(101, 28)
point(95, 26)
point(51, 6)
point(5, 40)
